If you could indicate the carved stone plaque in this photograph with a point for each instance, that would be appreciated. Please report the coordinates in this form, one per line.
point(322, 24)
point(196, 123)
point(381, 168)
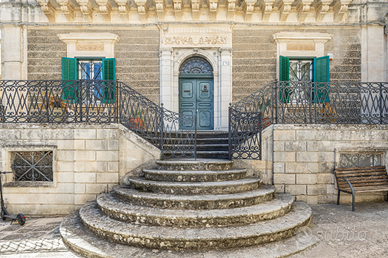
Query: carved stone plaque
point(90, 47)
point(300, 47)
point(195, 41)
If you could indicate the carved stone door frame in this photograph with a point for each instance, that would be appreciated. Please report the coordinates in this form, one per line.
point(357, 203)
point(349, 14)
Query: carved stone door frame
point(213, 44)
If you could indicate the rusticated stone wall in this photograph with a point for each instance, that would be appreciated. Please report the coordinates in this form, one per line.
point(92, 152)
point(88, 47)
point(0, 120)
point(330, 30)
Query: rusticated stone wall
point(254, 57)
point(136, 53)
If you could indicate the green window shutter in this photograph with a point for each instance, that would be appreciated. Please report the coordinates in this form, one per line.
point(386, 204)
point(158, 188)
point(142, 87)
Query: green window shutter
point(284, 75)
point(69, 72)
point(321, 74)
point(108, 73)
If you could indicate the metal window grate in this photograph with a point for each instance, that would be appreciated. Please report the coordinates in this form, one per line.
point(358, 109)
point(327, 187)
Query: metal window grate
point(348, 160)
point(32, 165)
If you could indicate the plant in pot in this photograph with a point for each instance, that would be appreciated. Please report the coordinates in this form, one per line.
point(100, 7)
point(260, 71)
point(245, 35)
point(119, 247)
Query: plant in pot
point(265, 121)
point(136, 121)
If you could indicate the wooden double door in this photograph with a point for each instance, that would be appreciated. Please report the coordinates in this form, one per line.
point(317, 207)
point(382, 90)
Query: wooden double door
point(196, 97)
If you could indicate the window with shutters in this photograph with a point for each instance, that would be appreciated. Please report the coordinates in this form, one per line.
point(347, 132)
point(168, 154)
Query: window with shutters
point(304, 70)
point(91, 71)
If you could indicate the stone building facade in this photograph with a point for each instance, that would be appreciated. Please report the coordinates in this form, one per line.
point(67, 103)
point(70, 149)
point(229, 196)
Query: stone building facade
point(241, 43)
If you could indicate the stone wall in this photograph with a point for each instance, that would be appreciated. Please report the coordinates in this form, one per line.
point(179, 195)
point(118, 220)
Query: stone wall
point(305, 157)
point(88, 160)
point(254, 57)
point(136, 53)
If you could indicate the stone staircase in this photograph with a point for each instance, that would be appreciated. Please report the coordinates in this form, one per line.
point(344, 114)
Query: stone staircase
point(188, 208)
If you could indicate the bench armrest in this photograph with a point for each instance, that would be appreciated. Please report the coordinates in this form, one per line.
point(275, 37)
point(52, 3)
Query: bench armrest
point(347, 181)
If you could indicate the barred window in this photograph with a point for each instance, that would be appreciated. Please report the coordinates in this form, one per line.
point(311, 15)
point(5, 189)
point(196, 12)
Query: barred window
point(32, 165)
point(348, 160)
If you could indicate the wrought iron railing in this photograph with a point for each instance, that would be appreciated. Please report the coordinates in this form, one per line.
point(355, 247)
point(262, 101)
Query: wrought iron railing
point(97, 101)
point(306, 102)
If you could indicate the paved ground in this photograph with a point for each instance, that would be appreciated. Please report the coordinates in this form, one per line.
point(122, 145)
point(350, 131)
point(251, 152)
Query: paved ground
point(343, 233)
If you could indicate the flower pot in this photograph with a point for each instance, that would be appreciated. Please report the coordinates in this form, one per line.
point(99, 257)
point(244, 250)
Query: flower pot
point(136, 123)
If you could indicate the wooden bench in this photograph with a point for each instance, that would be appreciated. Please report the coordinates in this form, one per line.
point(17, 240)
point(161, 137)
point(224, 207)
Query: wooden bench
point(361, 180)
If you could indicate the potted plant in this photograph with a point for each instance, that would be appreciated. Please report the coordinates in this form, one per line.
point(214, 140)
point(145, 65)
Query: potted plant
point(136, 121)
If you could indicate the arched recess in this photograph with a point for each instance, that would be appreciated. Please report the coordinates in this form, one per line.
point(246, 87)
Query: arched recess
point(196, 91)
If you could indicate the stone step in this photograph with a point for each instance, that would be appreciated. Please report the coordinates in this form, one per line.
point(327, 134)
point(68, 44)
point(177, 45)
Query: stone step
point(190, 188)
point(85, 243)
point(195, 202)
point(118, 210)
point(192, 164)
point(194, 176)
point(169, 238)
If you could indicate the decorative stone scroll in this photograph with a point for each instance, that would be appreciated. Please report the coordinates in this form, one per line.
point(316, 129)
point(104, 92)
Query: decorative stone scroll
point(207, 40)
point(90, 47)
point(300, 47)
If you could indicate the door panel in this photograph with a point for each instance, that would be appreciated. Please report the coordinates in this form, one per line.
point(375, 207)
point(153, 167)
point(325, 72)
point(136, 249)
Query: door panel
point(196, 98)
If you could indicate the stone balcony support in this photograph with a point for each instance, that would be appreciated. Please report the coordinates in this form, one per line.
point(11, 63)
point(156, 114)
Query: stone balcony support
point(249, 7)
point(267, 9)
point(285, 9)
point(48, 9)
point(86, 9)
point(160, 9)
point(341, 9)
point(195, 4)
point(231, 9)
point(105, 9)
point(124, 9)
point(142, 9)
point(178, 10)
point(213, 7)
point(68, 9)
point(303, 9)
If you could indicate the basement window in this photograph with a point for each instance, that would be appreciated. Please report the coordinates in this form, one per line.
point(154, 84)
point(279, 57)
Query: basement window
point(32, 166)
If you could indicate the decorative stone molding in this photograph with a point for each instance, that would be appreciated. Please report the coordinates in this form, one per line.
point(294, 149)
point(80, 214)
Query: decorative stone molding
point(303, 9)
point(86, 9)
point(231, 9)
point(341, 9)
point(285, 9)
point(124, 9)
point(249, 7)
point(142, 9)
point(178, 9)
point(48, 9)
point(267, 9)
point(104, 8)
point(90, 44)
point(213, 7)
point(322, 8)
point(160, 7)
point(195, 41)
point(68, 9)
point(195, 4)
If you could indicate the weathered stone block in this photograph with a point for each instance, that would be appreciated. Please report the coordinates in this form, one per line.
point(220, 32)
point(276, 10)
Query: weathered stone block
point(278, 146)
point(293, 167)
point(65, 144)
point(107, 156)
point(107, 134)
point(295, 146)
point(96, 188)
point(65, 177)
point(79, 166)
point(326, 178)
point(83, 134)
point(84, 155)
point(278, 167)
point(284, 156)
point(284, 135)
point(306, 135)
point(107, 178)
point(113, 166)
point(307, 157)
point(79, 188)
point(296, 189)
point(312, 146)
point(326, 167)
point(326, 156)
point(284, 179)
point(319, 189)
point(113, 144)
point(279, 188)
point(65, 155)
point(83, 198)
point(96, 144)
point(64, 166)
point(308, 179)
point(79, 144)
point(312, 199)
point(85, 177)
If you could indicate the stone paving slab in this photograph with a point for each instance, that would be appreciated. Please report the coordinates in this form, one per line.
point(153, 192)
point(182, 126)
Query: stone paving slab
point(342, 233)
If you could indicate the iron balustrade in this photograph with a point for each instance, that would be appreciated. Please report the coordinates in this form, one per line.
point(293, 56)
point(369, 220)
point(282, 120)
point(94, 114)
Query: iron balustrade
point(97, 101)
point(305, 102)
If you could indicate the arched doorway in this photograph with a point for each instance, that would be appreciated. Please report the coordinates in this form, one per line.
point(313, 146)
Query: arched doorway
point(196, 91)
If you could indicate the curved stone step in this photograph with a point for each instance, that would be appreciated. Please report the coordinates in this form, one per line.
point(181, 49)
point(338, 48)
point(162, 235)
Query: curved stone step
point(194, 176)
point(169, 238)
point(189, 188)
point(85, 243)
point(192, 164)
point(194, 218)
point(194, 202)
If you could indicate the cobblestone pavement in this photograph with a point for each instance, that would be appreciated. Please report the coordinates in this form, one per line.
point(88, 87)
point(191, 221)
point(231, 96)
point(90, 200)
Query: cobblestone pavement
point(342, 233)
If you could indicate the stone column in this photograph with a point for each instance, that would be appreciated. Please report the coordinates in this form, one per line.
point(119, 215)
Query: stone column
point(225, 87)
point(166, 77)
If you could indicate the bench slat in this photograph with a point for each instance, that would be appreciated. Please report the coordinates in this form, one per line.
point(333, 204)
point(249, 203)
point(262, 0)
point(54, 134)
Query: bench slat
point(367, 189)
point(360, 168)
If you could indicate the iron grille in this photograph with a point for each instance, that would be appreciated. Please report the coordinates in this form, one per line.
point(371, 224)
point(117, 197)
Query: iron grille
point(348, 160)
point(32, 165)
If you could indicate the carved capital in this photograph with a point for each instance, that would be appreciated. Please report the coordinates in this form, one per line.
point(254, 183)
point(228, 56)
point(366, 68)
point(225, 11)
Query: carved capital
point(249, 7)
point(267, 9)
point(68, 9)
point(104, 8)
point(340, 10)
point(285, 9)
point(86, 9)
point(303, 9)
point(195, 4)
point(178, 9)
point(142, 8)
point(48, 9)
point(225, 49)
point(124, 9)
